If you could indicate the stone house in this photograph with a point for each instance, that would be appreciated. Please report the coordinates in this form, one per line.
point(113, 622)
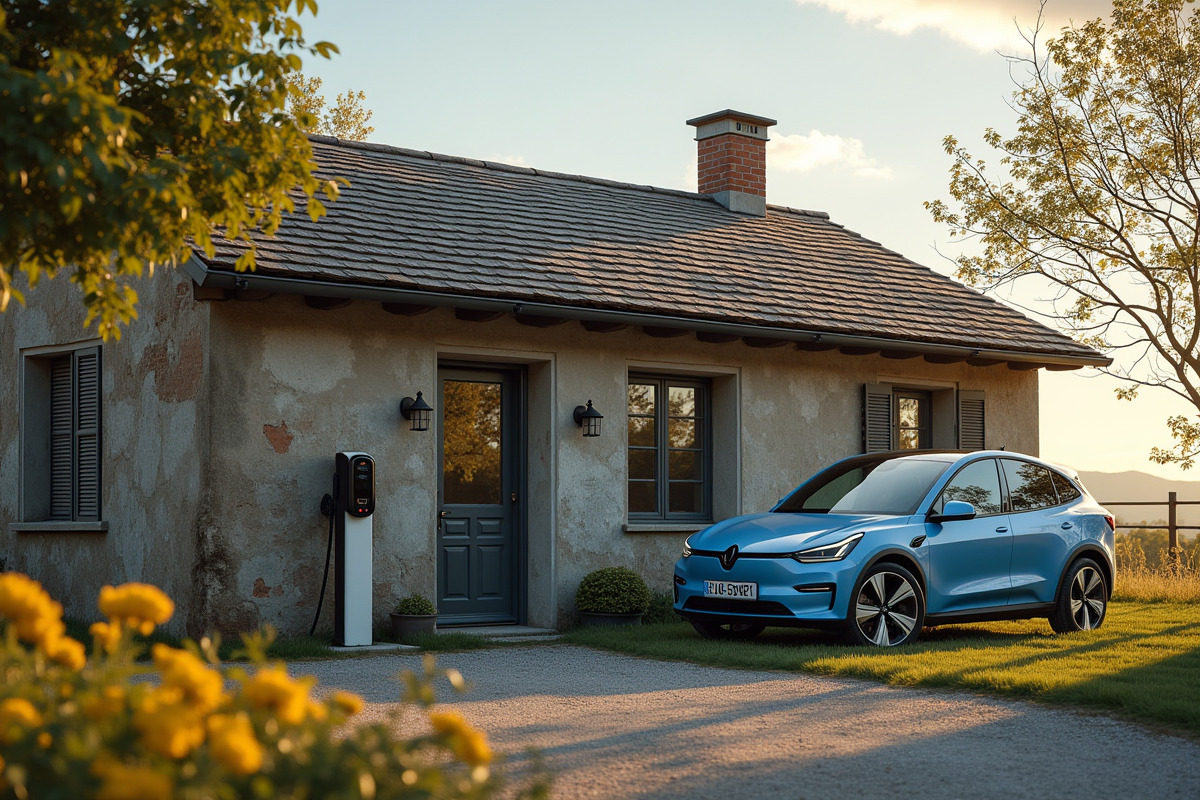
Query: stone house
point(732, 347)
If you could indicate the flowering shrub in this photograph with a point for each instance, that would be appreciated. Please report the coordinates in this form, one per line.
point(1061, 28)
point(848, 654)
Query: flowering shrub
point(76, 727)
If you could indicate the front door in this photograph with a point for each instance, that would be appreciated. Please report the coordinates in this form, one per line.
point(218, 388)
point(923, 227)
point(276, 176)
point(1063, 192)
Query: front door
point(478, 569)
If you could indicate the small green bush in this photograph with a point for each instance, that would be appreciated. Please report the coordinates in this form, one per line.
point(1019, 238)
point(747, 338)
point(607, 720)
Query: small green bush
point(662, 609)
point(415, 605)
point(613, 590)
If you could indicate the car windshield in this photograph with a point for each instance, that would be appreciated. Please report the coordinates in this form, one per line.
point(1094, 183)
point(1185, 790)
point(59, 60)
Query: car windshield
point(894, 488)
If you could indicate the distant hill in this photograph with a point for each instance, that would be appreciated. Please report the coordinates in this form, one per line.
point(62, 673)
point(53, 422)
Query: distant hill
point(1140, 487)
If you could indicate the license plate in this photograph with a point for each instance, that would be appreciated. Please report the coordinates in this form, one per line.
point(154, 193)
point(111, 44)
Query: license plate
point(731, 590)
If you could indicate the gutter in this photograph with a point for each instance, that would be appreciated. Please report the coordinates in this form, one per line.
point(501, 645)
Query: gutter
point(223, 279)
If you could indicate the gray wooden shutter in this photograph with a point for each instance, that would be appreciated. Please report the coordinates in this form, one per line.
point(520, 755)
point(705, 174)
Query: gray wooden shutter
point(62, 404)
point(87, 433)
point(877, 417)
point(971, 420)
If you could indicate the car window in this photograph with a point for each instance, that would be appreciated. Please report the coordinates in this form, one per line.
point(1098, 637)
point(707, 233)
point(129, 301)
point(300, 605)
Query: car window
point(1029, 485)
point(977, 483)
point(828, 495)
point(894, 488)
point(1066, 490)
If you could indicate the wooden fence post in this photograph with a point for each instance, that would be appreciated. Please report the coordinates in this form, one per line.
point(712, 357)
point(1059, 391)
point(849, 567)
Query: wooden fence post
point(1172, 527)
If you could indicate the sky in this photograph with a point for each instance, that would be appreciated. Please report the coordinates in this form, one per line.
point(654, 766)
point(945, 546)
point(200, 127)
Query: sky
point(864, 92)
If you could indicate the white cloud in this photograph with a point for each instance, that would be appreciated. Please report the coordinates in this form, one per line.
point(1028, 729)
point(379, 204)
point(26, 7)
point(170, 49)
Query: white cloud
point(514, 161)
point(798, 153)
point(982, 24)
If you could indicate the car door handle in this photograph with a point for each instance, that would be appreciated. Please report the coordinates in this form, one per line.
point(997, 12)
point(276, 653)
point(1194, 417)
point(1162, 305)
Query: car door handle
point(1002, 529)
point(1066, 526)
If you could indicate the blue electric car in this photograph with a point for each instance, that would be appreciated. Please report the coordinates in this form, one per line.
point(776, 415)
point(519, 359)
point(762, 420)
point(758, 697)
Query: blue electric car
point(881, 545)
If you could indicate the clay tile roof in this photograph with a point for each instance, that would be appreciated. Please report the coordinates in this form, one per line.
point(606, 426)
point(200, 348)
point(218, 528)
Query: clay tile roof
point(421, 221)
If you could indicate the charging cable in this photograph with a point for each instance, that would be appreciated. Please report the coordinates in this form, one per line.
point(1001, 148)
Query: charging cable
point(327, 508)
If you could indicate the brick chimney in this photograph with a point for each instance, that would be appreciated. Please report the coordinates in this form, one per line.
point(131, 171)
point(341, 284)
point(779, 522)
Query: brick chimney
point(731, 159)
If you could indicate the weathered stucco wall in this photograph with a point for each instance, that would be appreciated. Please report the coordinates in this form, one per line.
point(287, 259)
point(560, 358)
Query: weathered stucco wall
point(290, 386)
point(154, 393)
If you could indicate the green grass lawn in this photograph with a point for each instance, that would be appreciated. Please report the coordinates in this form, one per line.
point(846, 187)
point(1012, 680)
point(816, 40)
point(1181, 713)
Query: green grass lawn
point(1144, 663)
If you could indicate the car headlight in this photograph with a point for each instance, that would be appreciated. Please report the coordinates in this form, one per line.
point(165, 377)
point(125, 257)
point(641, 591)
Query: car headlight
point(829, 552)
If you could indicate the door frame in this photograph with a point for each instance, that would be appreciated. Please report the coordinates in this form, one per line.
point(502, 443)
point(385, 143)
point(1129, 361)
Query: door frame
point(520, 427)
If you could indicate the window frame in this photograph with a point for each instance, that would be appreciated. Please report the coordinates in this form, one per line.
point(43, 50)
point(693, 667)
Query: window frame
point(704, 402)
point(924, 418)
point(35, 434)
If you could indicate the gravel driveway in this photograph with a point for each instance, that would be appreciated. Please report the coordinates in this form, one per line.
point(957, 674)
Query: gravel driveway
point(612, 726)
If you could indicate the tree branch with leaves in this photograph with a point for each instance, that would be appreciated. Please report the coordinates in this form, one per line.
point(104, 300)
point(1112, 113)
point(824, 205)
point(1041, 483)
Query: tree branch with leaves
point(1098, 196)
point(347, 119)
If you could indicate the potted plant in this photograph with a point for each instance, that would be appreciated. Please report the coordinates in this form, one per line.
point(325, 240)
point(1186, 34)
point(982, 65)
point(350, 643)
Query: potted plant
point(413, 615)
point(612, 596)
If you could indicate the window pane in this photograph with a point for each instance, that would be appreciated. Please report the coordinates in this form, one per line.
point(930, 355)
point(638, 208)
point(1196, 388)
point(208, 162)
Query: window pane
point(641, 398)
point(682, 401)
point(643, 497)
point(1066, 490)
point(471, 442)
point(910, 440)
point(826, 497)
point(977, 484)
point(641, 464)
point(685, 465)
point(910, 412)
point(686, 498)
point(1029, 486)
point(682, 433)
point(641, 432)
point(894, 487)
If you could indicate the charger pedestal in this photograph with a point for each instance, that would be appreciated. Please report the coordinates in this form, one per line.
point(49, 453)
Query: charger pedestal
point(354, 507)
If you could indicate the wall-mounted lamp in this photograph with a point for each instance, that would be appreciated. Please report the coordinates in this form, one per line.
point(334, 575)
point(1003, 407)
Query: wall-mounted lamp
point(588, 418)
point(420, 412)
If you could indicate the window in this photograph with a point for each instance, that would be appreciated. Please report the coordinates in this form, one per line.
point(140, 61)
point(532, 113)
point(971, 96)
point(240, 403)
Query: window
point(914, 430)
point(977, 483)
point(919, 418)
point(61, 436)
point(1066, 490)
point(1029, 485)
point(669, 451)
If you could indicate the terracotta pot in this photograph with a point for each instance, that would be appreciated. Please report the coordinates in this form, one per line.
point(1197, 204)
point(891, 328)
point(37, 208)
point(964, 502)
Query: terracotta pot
point(595, 618)
point(405, 626)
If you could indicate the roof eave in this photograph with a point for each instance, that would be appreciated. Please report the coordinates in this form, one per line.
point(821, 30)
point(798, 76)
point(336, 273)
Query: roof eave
point(224, 279)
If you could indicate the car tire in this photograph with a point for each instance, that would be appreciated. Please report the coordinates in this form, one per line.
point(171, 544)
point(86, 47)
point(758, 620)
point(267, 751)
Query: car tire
point(740, 631)
point(1082, 601)
point(887, 608)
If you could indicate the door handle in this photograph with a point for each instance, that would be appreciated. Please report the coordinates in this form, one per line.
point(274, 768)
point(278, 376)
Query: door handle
point(441, 516)
point(1066, 526)
point(1002, 529)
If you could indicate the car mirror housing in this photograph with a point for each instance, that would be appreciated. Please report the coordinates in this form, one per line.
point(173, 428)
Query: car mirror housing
point(954, 510)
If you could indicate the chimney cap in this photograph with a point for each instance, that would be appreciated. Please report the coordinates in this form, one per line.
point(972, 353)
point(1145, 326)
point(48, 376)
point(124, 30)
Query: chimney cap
point(728, 114)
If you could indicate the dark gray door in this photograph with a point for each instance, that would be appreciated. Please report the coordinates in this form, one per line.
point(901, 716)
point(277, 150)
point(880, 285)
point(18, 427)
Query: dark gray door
point(478, 520)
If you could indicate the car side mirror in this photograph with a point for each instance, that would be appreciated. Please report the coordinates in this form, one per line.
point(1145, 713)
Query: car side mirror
point(954, 510)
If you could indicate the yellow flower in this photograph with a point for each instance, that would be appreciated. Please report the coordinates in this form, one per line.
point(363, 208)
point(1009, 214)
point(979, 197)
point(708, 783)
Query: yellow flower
point(131, 783)
point(141, 605)
point(66, 651)
point(232, 743)
point(106, 635)
point(169, 725)
point(347, 703)
point(467, 743)
point(201, 686)
point(16, 715)
point(109, 703)
point(26, 604)
point(271, 689)
point(44, 740)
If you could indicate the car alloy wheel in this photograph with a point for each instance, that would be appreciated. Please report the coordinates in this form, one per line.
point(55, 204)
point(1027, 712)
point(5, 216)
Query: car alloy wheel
point(1082, 600)
point(888, 608)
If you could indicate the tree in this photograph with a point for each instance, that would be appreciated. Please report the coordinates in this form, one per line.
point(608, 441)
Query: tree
point(131, 130)
point(346, 120)
point(1099, 195)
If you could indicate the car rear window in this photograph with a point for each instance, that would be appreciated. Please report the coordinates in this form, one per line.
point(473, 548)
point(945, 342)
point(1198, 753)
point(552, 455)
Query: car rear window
point(1066, 490)
point(1029, 485)
point(893, 488)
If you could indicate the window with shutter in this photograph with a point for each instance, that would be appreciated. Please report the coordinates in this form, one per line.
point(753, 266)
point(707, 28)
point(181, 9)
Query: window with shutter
point(971, 420)
point(877, 417)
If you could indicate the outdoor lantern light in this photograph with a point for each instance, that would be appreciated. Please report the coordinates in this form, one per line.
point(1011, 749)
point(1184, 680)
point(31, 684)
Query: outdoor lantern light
point(420, 412)
point(588, 418)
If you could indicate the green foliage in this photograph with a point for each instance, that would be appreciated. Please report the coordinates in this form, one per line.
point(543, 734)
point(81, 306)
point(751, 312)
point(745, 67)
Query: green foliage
point(415, 605)
point(346, 120)
point(661, 610)
point(612, 590)
point(1098, 195)
point(130, 130)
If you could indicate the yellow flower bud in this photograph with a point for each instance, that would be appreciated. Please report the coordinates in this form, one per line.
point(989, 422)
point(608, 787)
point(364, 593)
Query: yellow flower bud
point(106, 635)
point(121, 782)
point(141, 605)
point(467, 743)
point(271, 689)
point(16, 716)
point(201, 686)
point(26, 604)
point(66, 651)
point(233, 744)
point(168, 724)
point(347, 703)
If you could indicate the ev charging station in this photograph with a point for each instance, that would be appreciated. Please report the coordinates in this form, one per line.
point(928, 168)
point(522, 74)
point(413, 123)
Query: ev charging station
point(353, 505)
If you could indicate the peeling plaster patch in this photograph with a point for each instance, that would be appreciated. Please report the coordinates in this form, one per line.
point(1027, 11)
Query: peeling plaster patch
point(278, 436)
point(176, 378)
point(261, 589)
point(283, 400)
point(307, 360)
